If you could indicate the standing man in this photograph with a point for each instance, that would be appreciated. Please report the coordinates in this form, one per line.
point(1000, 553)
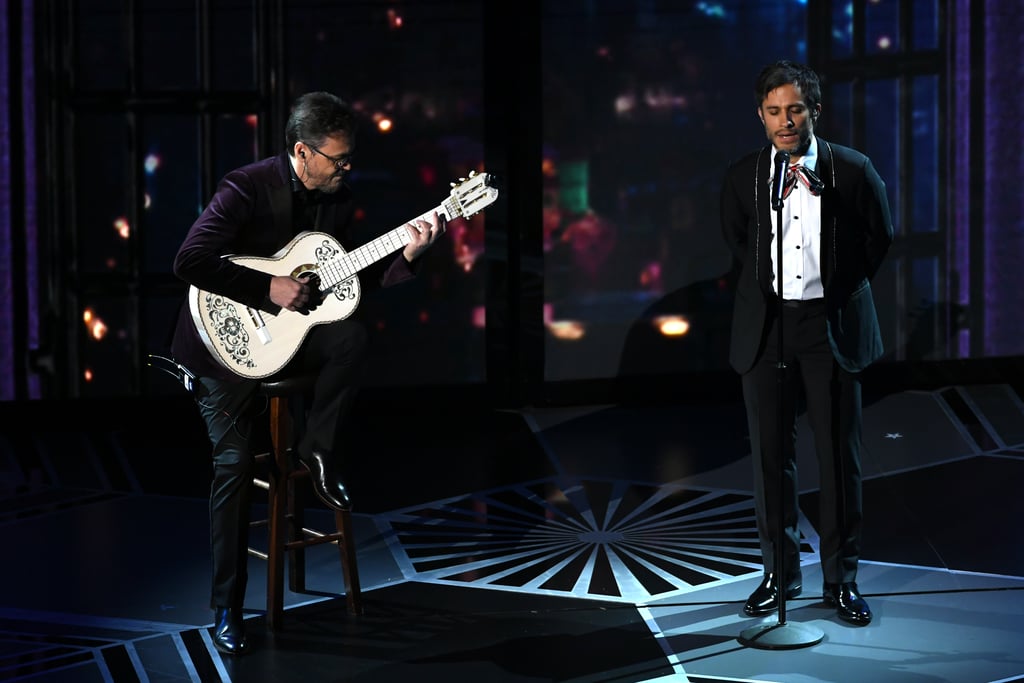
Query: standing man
point(257, 210)
point(836, 229)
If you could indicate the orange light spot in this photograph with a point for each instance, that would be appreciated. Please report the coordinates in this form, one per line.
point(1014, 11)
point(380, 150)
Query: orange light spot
point(672, 325)
point(98, 329)
point(122, 227)
point(567, 330)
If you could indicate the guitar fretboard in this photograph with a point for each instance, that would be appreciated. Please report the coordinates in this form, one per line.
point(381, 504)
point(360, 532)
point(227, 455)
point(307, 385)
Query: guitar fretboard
point(341, 268)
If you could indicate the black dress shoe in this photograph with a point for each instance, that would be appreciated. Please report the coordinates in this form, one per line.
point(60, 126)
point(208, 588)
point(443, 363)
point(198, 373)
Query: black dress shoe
point(850, 606)
point(229, 631)
point(765, 598)
point(326, 481)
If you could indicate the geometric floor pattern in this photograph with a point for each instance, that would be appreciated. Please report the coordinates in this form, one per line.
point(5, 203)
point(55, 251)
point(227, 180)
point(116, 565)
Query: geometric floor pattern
point(609, 539)
point(623, 552)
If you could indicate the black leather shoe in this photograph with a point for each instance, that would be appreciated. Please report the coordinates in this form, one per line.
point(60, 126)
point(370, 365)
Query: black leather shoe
point(326, 481)
point(850, 606)
point(229, 631)
point(765, 598)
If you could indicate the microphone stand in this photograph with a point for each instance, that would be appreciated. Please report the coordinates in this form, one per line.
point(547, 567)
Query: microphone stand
point(781, 635)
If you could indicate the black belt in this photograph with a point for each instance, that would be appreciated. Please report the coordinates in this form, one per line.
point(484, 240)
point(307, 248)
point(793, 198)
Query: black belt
point(800, 303)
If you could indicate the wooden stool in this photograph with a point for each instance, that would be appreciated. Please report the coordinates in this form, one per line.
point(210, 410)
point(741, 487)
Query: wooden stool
point(285, 515)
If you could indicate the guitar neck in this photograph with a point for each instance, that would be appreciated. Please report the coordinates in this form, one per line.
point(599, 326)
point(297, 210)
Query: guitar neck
point(344, 266)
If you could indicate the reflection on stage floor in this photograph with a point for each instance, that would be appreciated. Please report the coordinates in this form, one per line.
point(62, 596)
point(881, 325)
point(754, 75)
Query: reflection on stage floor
point(579, 543)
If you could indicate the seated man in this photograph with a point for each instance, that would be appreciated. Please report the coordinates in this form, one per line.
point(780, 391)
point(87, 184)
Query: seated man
point(257, 210)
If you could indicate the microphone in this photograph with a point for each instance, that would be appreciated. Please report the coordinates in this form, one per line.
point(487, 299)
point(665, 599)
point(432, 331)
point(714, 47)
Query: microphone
point(781, 165)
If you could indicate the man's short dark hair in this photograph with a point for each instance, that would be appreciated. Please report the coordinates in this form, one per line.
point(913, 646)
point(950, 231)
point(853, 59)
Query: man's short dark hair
point(785, 71)
point(316, 116)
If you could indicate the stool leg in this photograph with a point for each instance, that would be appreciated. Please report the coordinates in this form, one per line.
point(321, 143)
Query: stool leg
point(349, 568)
point(277, 514)
point(275, 549)
point(297, 555)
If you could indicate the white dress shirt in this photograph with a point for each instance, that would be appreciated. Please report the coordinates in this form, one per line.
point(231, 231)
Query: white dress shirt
point(801, 238)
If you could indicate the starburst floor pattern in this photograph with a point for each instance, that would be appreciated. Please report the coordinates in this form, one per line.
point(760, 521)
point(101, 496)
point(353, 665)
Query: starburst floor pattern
point(608, 539)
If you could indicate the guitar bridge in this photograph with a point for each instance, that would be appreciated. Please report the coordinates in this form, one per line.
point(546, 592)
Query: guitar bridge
point(256, 318)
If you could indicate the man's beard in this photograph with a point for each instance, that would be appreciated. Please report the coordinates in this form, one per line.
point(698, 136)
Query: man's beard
point(329, 186)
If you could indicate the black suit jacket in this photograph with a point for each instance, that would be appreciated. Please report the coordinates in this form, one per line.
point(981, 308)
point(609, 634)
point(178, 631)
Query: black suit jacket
point(250, 214)
point(856, 232)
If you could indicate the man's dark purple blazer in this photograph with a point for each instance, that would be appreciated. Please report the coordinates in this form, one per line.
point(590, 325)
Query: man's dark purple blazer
point(250, 214)
point(856, 231)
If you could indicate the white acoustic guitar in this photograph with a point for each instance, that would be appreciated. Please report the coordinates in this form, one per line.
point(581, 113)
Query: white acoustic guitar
point(256, 343)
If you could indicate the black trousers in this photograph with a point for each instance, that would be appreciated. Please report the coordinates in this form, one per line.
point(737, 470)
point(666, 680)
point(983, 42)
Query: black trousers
point(335, 352)
point(832, 397)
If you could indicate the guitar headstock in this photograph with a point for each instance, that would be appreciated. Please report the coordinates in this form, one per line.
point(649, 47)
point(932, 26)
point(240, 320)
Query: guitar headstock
point(471, 195)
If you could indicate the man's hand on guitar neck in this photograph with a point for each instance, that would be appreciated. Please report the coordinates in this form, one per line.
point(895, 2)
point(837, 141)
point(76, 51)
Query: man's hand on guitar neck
point(423, 233)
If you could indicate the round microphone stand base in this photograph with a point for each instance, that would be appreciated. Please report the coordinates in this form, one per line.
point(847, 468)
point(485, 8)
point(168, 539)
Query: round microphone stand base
point(781, 636)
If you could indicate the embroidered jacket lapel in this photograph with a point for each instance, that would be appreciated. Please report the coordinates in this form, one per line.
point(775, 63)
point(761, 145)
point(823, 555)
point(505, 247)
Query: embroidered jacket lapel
point(829, 203)
point(764, 219)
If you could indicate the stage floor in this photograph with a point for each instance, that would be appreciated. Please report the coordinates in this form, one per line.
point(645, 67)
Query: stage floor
point(588, 543)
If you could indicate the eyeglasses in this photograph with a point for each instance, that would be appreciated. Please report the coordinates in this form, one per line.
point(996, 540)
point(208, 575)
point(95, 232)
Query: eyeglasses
point(338, 161)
